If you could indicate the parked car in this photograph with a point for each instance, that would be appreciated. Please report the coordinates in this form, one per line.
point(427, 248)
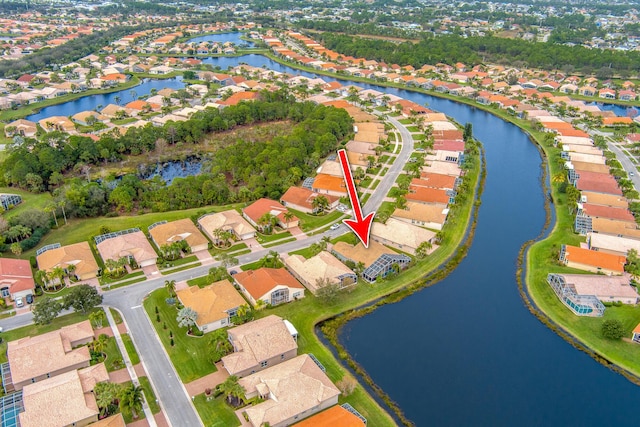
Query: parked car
point(335, 226)
point(30, 299)
point(19, 302)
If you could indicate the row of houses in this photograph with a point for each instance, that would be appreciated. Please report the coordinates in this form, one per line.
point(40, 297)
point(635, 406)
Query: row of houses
point(54, 370)
point(602, 214)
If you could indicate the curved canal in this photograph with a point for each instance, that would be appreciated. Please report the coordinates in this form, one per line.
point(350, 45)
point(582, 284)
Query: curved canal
point(466, 351)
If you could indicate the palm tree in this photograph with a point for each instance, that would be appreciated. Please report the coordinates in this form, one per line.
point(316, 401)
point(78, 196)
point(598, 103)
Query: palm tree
point(131, 400)
point(320, 203)
point(267, 221)
point(106, 393)
point(57, 273)
point(16, 249)
point(117, 99)
point(61, 204)
point(231, 388)
point(187, 318)
point(171, 287)
point(100, 343)
point(133, 94)
point(288, 216)
point(97, 318)
point(52, 207)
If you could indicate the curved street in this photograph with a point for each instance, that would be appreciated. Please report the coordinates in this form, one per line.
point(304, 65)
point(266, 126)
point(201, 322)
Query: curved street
point(171, 393)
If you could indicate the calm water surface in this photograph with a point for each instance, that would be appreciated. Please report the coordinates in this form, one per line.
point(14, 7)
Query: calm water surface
point(222, 38)
point(466, 352)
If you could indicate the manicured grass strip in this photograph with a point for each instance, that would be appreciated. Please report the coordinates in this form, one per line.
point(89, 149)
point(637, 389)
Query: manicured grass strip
point(116, 316)
point(215, 412)
point(184, 267)
point(306, 252)
point(131, 349)
point(114, 359)
point(279, 242)
point(149, 395)
point(266, 238)
point(189, 355)
point(182, 261)
point(108, 280)
point(127, 283)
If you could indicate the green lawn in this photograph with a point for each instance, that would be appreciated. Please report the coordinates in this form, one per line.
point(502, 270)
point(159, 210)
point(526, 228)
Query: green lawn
point(104, 280)
point(311, 222)
point(405, 121)
point(29, 201)
point(131, 349)
point(278, 242)
point(267, 238)
point(189, 354)
point(541, 260)
point(201, 282)
point(114, 359)
point(306, 252)
point(149, 395)
point(413, 128)
point(116, 316)
point(79, 230)
point(181, 261)
point(215, 413)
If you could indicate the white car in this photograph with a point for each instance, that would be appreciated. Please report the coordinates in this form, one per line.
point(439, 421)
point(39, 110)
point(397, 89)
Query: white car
point(19, 302)
point(334, 226)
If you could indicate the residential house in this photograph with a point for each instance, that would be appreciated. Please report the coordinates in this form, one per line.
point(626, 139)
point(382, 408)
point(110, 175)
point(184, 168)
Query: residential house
point(227, 221)
point(587, 91)
point(593, 261)
point(606, 288)
point(431, 216)
point(166, 233)
point(377, 259)
point(21, 127)
point(255, 214)
point(302, 199)
point(335, 416)
point(291, 390)
point(260, 344)
point(64, 400)
point(59, 123)
point(320, 269)
point(215, 304)
point(37, 358)
point(16, 278)
point(131, 244)
point(607, 93)
point(273, 286)
point(326, 184)
point(401, 235)
point(78, 255)
point(615, 245)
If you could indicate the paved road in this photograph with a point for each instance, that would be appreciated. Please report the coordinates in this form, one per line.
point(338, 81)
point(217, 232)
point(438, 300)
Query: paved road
point(128, 300)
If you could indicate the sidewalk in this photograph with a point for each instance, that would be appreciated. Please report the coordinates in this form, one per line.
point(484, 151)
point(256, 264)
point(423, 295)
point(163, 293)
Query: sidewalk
point(127, 361)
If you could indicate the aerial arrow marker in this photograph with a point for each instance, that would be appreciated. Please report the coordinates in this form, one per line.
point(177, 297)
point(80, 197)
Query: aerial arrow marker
point(360, 226)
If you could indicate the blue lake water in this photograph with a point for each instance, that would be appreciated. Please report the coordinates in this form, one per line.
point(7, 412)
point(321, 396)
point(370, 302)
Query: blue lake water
point(222, 38)
point(466, 352)
point(92, 102)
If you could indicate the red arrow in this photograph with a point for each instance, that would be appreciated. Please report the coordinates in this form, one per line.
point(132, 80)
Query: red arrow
point(360, 226)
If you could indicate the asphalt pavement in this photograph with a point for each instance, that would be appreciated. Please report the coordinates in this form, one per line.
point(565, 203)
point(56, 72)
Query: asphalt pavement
point(173, 397)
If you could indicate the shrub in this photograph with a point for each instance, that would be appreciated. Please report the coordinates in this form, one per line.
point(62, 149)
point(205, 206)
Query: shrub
point(33, 262)
point(612, 329)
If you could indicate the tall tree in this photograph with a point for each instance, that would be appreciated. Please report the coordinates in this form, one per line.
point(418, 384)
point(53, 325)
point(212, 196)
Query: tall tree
point(45, 310)
point(187, 318)
point(131, 399)
point(82, 298)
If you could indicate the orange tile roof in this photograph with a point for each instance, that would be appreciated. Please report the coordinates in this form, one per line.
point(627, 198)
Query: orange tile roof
point(338, 104)
point(329, 182)
point(259, 282)
point(617, 121)
point(303, 197)
point(434, 180)
point(140, 105)
point(598, 259)
point(335, 416)
point(427, 195)
point(263, 206)
point(239, 96)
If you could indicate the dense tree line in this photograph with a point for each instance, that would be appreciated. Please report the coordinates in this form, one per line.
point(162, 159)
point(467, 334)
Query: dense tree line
point(239, 172)
point(473, 50)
